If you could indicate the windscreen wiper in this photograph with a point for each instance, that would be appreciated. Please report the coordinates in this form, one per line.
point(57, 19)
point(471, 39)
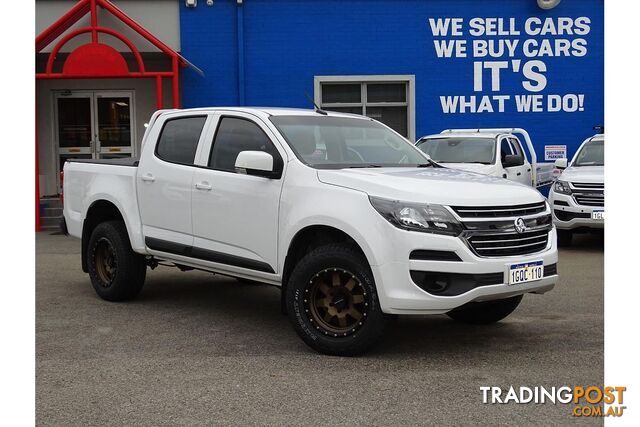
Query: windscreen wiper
point(431, 163)
point(364, 166)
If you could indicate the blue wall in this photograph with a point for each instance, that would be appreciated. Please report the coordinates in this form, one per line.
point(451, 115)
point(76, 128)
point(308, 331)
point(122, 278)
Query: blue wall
point(288, 42)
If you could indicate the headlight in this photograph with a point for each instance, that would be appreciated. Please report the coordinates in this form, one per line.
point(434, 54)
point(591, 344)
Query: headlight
point(562, 187)
point(427, 218)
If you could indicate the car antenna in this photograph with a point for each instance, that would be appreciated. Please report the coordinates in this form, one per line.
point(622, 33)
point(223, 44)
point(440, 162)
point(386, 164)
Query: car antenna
point(318, 109)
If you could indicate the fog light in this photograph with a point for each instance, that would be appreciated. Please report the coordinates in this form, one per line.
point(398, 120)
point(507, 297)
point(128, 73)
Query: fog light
point(436, 284)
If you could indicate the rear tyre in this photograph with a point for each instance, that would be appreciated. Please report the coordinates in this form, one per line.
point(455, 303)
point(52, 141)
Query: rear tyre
point(486, 312)
point(564, 237)
point(117, 273)
point(332, 301)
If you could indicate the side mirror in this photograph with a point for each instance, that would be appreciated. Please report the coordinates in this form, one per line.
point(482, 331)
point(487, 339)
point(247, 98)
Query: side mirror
point(512, 160)
point(256, 163)
point(561, 163)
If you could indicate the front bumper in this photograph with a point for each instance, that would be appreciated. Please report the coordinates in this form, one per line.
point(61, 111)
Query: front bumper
point(399, 294)
point(573, 215)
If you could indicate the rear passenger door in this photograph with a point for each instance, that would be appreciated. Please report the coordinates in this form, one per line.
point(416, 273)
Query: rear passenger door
point(235, 216)
point(164, 182)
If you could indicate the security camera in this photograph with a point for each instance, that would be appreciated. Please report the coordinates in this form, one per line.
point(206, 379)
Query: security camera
point(548, 4)
point(191, 3)
point(209, 2)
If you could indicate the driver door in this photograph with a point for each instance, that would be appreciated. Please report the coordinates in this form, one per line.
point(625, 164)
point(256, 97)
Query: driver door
point(235, 216)
point(514, 173)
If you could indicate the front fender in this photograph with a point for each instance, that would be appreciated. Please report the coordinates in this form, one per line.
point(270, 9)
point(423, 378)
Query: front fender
point(357, 218)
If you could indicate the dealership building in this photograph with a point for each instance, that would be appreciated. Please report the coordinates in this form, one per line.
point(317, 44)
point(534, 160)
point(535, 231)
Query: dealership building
point(103, 67)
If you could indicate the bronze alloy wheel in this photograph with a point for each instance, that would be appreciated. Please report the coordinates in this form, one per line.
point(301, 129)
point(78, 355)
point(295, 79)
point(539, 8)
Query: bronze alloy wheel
point(336, 302)
point(106, 261)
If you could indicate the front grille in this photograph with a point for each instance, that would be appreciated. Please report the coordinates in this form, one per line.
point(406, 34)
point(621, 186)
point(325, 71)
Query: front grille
point(589, 199)
point(499, 211)
point(427, 255)
point(588, 194)
point(507, 244)
point(587, 186)
point(453, 284)
point(568, 216)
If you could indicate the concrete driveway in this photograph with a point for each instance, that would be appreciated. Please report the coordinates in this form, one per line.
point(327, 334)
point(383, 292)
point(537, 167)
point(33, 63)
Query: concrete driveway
point(201, 349)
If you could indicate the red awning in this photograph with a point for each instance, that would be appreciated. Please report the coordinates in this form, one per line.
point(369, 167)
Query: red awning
point(100, 60)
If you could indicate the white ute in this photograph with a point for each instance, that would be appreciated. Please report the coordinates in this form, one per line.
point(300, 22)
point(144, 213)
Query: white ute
point(350, 219)
point(495, 152)
point(577, 197)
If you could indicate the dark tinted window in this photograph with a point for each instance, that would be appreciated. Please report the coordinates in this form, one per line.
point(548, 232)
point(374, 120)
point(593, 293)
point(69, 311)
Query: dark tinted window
point(386, 92)
point(505, 149)
point(236, 135)
point(179, 139)
point(339, 92)
point(516, 147)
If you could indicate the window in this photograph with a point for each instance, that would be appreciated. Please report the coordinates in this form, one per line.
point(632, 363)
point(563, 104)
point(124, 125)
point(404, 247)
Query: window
point(340, 142)
point(591, 154)
point(517, 148)
point(505, 149)
point(179, 139)
point(235, 135)
point(459, 149)
point(388, 99)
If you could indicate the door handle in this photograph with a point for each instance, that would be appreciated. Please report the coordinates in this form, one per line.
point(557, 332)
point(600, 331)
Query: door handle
point(519, 173)
point(204, 185)
point(148, 177)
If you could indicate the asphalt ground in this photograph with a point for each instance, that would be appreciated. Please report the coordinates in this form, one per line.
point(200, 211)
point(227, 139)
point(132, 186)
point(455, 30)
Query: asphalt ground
point(197, 349)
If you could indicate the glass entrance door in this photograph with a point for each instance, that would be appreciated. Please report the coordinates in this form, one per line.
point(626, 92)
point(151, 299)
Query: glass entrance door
point(94, 125)
point(74, 122)
point(113, 125)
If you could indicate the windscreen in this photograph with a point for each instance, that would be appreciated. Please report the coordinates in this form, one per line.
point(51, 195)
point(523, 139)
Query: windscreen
point(459, 150)
point(337, 142)
point(592, 154)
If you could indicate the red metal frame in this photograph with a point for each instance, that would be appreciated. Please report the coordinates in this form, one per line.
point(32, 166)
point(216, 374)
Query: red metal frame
point(98, 60)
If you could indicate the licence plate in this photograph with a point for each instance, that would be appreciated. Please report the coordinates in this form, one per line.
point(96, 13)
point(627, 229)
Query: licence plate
point(526, 272)
point(597, 215)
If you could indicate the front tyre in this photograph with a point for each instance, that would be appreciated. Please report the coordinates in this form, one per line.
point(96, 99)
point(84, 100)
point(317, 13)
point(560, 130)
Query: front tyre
point(486, 312)
point(117, 273)
point(333, 303)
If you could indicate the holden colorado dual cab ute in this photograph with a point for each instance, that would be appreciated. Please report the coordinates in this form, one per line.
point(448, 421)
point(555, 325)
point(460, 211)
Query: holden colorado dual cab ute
point(495, 152)
point(347, 217)
point(577, 197)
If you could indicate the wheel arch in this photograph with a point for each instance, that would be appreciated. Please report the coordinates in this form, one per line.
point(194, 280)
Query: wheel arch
point(99, 211)
point(307, 239)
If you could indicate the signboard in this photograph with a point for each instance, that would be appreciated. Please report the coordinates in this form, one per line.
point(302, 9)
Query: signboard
point(515, 48)
point(553, 152)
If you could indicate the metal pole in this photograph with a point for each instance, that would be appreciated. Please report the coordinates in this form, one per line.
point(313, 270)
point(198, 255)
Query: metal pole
point(176, 83)
point(37, 178)
point(159, 96)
